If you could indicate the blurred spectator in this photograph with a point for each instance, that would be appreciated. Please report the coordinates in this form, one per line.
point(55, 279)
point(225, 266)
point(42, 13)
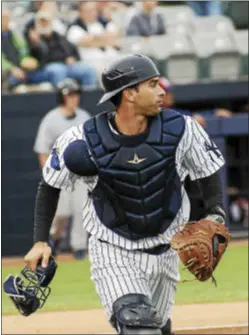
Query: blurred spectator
point(206, 8)
point(57, 56)
point(201, 117)
point(50, 6)
point(97, 44)
point(104, 11)
point(146, 22)
point(17, 65)
point(55, 122)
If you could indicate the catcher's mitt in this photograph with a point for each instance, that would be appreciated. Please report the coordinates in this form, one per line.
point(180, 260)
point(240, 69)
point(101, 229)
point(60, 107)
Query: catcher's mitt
point(200, 246)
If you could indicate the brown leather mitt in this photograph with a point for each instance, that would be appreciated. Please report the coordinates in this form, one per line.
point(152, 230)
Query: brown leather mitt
point(200, 246)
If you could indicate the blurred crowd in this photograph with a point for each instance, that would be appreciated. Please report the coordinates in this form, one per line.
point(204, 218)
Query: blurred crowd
point(44, 42)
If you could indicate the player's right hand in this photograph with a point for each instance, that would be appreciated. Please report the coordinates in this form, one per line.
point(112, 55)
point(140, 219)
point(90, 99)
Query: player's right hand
point(40, 250)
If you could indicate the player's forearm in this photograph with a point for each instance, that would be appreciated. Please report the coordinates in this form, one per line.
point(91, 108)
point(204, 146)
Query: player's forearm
point(45, 208)
point(211, 190)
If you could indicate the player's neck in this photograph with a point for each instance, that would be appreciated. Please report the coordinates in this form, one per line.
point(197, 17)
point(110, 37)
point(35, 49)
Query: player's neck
point(129, 123)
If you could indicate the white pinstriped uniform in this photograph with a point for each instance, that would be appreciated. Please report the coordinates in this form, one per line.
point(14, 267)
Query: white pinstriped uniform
point(119, 267)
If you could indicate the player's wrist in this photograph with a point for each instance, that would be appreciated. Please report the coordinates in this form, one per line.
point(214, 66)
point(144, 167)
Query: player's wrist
point(216, 213)
point(215, 218)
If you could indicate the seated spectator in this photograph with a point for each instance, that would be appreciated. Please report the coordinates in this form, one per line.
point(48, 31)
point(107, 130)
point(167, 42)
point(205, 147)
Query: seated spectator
point(105, 9)
point(104, 12)
point(146, 22)
point(201, 117)
point(17, 65)
point(56, 55)
point(58, 25)
point(97, 44)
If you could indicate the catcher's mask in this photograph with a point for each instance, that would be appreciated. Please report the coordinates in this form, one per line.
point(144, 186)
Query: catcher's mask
point(30, 293)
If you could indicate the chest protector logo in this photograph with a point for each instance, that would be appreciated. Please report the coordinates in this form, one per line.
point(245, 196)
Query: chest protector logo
point(139, 191)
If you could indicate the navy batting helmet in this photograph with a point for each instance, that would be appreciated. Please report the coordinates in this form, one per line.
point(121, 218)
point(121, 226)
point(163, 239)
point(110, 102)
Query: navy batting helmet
point(127, 71)
point(66, 87)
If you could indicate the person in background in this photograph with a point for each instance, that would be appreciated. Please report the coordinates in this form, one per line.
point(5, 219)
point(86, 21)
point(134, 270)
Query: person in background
point(206, 8)
point(58, 58)
point(66, 115)
point(97, 43)
point(146, 22)
point(201, 117)
point(51, 6)
point(18, 67)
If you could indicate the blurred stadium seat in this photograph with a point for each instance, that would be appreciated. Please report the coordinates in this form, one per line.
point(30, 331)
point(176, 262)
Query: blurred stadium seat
point(175, 57)
point(217, 23)
point(218, 54)
point(182, 28)
point(241, 38)
point(174, 14)
point(134, 44)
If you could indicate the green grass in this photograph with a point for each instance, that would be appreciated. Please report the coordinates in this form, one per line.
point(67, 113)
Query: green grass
point(72, 288)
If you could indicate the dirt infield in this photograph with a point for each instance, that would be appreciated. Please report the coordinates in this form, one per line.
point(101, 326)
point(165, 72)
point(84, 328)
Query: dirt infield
point(187, 319)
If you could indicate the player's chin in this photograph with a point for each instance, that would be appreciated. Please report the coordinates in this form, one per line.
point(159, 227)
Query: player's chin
point(156, 110)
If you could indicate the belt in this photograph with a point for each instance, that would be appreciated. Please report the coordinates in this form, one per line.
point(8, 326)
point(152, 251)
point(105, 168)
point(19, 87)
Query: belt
point(158, 250)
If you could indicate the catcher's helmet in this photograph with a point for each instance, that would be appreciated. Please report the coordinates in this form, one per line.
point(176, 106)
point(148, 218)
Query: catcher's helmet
point(126, 72)
point(66, 87)
point(31, 294)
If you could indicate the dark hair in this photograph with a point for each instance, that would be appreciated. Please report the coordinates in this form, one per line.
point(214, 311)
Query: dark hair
point(116, 100)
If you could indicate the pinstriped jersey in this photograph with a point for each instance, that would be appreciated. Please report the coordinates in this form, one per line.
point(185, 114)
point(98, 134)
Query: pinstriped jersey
point(196, 155)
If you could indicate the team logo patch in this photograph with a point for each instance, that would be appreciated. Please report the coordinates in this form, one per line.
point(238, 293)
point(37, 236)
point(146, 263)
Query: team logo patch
point(211, 147)
point(55, 162)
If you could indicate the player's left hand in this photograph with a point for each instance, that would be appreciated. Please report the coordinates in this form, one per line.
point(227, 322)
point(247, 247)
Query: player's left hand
point(200, 246)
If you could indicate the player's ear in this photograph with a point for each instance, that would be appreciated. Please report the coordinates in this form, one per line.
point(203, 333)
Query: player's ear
point(129, 94)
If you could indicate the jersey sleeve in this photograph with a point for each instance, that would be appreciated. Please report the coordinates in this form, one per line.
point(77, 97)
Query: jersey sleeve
point(55, 173)
point(201, 156)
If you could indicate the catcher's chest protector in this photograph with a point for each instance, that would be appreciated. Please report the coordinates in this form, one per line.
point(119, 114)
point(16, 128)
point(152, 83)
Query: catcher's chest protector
point(139, 192)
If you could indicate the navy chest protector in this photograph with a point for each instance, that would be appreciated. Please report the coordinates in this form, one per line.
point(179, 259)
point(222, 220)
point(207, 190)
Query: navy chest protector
point(138, 193)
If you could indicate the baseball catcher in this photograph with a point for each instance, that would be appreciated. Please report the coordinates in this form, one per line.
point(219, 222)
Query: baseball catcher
point(135, 161)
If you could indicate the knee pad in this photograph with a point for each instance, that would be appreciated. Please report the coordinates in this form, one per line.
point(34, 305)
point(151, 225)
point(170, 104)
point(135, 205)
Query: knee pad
point(166, 330)
point(134, 314)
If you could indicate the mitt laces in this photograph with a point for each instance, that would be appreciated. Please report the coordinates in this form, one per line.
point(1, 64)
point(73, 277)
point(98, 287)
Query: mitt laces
point(191, 262)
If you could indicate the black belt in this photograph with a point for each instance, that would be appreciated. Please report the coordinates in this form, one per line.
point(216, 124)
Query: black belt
point(158, 250)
